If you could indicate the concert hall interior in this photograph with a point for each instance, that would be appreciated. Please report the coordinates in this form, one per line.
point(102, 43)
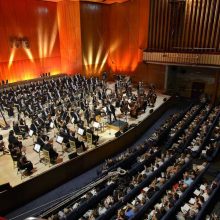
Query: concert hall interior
point(109, 109)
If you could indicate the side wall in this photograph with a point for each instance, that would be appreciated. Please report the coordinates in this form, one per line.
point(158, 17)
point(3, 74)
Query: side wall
point(36, 20)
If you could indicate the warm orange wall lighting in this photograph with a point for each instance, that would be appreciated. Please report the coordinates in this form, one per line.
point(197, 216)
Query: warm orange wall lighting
point(94, 62)
point(11, 58)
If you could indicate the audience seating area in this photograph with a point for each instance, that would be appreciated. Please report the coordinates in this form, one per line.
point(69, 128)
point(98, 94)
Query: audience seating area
point(162, 178)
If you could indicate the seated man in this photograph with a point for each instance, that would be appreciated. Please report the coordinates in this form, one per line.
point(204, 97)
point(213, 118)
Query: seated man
point(13, 140)
point(65, 134)
point(95, 138)
point(2, 145)
point(23, 163)
point(78, 143)
point(17, 130)
point(43, 141)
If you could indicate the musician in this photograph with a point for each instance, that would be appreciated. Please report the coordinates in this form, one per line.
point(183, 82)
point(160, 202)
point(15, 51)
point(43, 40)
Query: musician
point(2, 145)
point(10, 110)
point(18, 131)
point(108, 112)
point(22, 125)
point(112, 109)
point(23, 163)
point(13, 140)
point(33, 127)
point(95, 138)
point(65, 134)
point(76, 116)
point(44, 142)
point(87, 115)
point(73, 137)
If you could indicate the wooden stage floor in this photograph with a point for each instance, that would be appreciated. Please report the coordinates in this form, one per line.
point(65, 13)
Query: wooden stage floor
point(9, 173)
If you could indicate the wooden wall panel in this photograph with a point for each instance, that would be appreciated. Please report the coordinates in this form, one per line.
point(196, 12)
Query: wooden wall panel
point(37, 21)
point(95, 36)
point(128, 34)
point(151, 73)
point(68, 13)
point(191, 26)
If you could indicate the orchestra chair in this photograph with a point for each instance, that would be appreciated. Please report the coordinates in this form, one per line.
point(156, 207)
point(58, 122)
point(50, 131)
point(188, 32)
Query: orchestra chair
point(14, 159)
point(89, 139)
point(72, 146)
point(45, 157)
point(21, 172)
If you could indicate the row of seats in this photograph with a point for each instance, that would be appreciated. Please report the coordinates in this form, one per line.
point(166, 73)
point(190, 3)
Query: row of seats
point(189, 132)
point(212, 144)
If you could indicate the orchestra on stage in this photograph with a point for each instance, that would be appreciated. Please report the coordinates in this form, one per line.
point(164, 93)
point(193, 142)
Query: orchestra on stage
point(87, 103)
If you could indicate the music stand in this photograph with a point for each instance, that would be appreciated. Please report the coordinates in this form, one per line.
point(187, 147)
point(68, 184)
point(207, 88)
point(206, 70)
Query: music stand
point(52, 127)
point(96, 125)
point(59, 140)
point(37, 148)
point(31, 134)
point(80, 131)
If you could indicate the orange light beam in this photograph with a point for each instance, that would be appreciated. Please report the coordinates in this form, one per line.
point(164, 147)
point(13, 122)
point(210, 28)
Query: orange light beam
point(11, 57)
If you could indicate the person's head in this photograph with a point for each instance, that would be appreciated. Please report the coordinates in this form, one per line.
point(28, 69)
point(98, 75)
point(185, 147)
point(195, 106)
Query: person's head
point(11, 132)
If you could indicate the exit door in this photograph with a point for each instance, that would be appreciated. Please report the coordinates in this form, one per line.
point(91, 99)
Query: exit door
point(198, 89)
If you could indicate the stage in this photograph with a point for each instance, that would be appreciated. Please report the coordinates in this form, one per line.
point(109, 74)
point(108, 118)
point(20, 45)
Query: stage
point(9, 173)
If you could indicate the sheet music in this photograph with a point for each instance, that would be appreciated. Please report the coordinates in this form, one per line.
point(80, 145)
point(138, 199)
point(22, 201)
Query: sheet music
point(80, 131)
point(192, 201)
point(196, 192)
point(51, 125)
point(31, 132)
point(37, 148)
point(59, 139)
point(202, 187)
point(96, 124)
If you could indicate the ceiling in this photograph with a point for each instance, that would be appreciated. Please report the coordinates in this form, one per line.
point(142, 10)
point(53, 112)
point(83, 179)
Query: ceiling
point(96, 1)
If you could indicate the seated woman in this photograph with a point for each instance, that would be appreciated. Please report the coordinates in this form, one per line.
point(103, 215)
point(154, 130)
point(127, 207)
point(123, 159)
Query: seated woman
point(72, 137)
point(22, 125)
point(52, 153)
point(15, 152)
point(2, 145)
point(95, 138)
point(17, 130)
point(14, 140)
point(23, 163)
point(45, 143)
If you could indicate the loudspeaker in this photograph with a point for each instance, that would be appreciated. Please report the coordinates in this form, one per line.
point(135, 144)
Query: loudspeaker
point(72, 155)
point(4, 187)
point(117, 134)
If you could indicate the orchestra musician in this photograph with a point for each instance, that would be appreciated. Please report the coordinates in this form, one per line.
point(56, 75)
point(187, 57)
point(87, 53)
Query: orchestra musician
point(73, 137)
point(95, 138)
point(45, 143)
point(14, 140)
point(23, 163)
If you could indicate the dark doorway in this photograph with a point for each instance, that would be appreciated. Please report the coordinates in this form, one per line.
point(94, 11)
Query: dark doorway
point(197, 89)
